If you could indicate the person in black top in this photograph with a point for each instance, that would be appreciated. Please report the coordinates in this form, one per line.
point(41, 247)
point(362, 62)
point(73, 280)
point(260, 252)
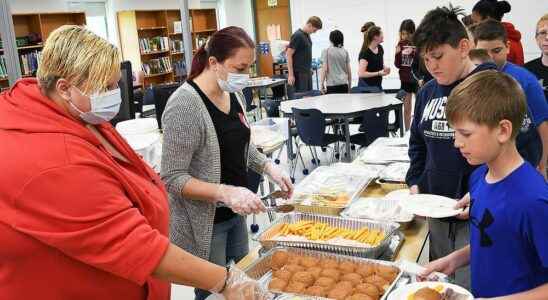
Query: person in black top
point(371, 68)
point(299, 56)
point(539, 66)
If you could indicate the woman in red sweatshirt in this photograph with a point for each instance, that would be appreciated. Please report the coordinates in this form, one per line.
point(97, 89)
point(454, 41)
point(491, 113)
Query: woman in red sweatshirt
point(493, 9)
point(81, 215)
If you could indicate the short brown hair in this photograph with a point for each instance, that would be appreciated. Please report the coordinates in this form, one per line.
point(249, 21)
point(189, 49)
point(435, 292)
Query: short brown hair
point(542, 19)
point(480, 54)
point(489, 30)
point(315, 21)
point(487, 98)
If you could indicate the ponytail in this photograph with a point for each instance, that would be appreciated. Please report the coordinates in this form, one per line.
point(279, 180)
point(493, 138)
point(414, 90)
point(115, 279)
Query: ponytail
point(369, 35)
point(199, 62)
point(221, 45)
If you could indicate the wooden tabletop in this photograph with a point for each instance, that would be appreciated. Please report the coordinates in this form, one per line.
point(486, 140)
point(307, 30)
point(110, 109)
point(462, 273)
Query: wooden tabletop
point(415, 235)
point(331, 103)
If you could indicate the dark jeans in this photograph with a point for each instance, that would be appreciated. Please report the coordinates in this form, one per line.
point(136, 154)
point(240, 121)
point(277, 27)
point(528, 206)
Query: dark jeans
point(229, 242)
point(303, 81)
point(337, 89)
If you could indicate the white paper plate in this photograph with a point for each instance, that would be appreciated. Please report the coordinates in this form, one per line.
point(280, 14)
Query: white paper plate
point(403, 292)
point(397, 195)
point(432, 206)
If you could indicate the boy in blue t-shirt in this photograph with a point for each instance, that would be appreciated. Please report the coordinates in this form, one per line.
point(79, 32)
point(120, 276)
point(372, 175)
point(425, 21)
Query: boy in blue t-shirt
point(508, 251)
point(491, 36)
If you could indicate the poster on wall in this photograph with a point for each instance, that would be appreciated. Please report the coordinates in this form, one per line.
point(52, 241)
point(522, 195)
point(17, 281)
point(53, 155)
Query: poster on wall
point(272, 3)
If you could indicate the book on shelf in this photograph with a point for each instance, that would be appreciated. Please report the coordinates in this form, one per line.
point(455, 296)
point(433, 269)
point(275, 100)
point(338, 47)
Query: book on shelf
point(3, 67)
point(176, 46)
point(179, 68)
point(177, 27)
point(29, 62)
point(155, 44)
point(157, 66)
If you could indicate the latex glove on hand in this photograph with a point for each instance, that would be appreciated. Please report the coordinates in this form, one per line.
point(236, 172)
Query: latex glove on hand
point(241, 200)
point(239, 286)
point(279, 176)
point(444, 265)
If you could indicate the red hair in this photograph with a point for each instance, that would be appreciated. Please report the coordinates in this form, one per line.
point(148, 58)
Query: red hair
point(221, 45)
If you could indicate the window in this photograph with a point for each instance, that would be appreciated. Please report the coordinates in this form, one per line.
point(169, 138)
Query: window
point(96, 15)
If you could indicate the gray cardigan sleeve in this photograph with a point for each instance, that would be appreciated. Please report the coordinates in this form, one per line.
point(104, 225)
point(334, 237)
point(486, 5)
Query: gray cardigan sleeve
point(182, 137)
point(257, 160)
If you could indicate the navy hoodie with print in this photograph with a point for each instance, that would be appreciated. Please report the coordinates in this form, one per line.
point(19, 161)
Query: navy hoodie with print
point(437, 167)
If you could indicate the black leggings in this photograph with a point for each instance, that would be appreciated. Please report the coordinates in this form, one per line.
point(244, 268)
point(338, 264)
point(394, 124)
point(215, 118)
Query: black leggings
point(337, 89)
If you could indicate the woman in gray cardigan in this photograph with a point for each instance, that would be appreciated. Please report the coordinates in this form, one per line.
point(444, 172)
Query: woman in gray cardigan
point(207, 153)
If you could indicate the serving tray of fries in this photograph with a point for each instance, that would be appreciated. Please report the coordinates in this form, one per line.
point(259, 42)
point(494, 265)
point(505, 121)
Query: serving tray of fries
point(363, 238)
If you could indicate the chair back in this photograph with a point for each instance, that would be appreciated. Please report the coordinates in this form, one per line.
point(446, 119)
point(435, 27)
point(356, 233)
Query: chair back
point(161, 93)
point(310, 125)
point(248, 95)
point(272, 108)
point(375, 125)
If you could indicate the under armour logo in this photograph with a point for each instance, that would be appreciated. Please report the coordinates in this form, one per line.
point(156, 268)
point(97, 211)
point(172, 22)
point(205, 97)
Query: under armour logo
point(486, 221)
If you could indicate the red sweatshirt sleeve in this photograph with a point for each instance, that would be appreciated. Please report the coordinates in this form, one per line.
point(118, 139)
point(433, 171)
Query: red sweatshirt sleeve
point(83, 212)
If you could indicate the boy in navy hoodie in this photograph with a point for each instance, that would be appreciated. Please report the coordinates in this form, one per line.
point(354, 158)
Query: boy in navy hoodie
point(491, 36)
point(508, 251)
point(436, 166)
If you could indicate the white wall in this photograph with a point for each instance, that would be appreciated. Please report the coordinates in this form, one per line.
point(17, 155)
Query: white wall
point(349, 15)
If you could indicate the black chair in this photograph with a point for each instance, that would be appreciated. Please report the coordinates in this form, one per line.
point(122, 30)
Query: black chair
point(127, 107)
point(250, 107)
point(161, 94)
point(310, 125)
point(374, 125)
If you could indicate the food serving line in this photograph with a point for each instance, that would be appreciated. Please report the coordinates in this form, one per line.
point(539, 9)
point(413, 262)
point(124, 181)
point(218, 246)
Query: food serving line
point(320, 232)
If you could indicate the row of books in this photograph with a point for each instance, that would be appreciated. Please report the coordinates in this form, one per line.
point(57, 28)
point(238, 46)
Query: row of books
point(159, 43)
point(177, 46)
point(3, 68)
point(29, 62)
point(179, 68)
point(157, 66)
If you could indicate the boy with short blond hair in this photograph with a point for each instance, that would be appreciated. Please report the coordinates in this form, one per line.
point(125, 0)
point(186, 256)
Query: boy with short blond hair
point(508, 251)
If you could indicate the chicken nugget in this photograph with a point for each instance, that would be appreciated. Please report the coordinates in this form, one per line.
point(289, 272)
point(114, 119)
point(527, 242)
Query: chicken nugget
point(283, 275)
point(326, 282)
point(332, 273)
point(318, 291)
point(347, 285)
point(368, 289)
point(327, 263)
point(295, 287)
point(378, 281)
point(315, 271)
point(293, 268)
point(359, 296)
point(347, 267)
point(355, 278)
point(279, 259)
point(309, 262)
point(294, 259)
point(277, 284)
point(366, 270)
point(303, 277)
point(338, 293)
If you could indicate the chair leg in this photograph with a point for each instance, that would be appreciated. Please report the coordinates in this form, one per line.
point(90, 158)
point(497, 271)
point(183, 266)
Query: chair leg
point(305, 170)
point(316, 156)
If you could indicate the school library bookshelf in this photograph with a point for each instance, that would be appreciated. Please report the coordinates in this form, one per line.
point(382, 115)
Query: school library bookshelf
point(30, 32)
point(152, 41)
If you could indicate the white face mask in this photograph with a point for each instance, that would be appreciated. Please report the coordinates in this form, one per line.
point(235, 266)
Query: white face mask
point(104, 107)
point(234, 82)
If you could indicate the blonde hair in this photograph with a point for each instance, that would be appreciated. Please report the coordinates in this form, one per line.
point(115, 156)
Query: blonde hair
point(542, 19)
point(486, 98)
point(79, 56)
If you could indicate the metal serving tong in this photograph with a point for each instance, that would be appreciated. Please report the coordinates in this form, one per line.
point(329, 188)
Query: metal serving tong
point(273, 206)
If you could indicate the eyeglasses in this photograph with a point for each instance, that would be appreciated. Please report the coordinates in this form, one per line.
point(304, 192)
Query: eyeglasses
point(541, 34)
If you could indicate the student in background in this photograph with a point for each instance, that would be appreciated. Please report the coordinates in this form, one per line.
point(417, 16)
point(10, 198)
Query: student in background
point(508, 248)
point(366, 26)
point(532, 141)
point(539, 66)
point(405, 54)
point(436, 166)
point(336, 76)
point(493, 9)
point(299, 56)
point(480, 56)
point(371, 58)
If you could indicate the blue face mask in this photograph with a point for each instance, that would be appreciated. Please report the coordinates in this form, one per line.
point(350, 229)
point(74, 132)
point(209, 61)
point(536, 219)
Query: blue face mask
point(234, 82)
point(104, 107)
